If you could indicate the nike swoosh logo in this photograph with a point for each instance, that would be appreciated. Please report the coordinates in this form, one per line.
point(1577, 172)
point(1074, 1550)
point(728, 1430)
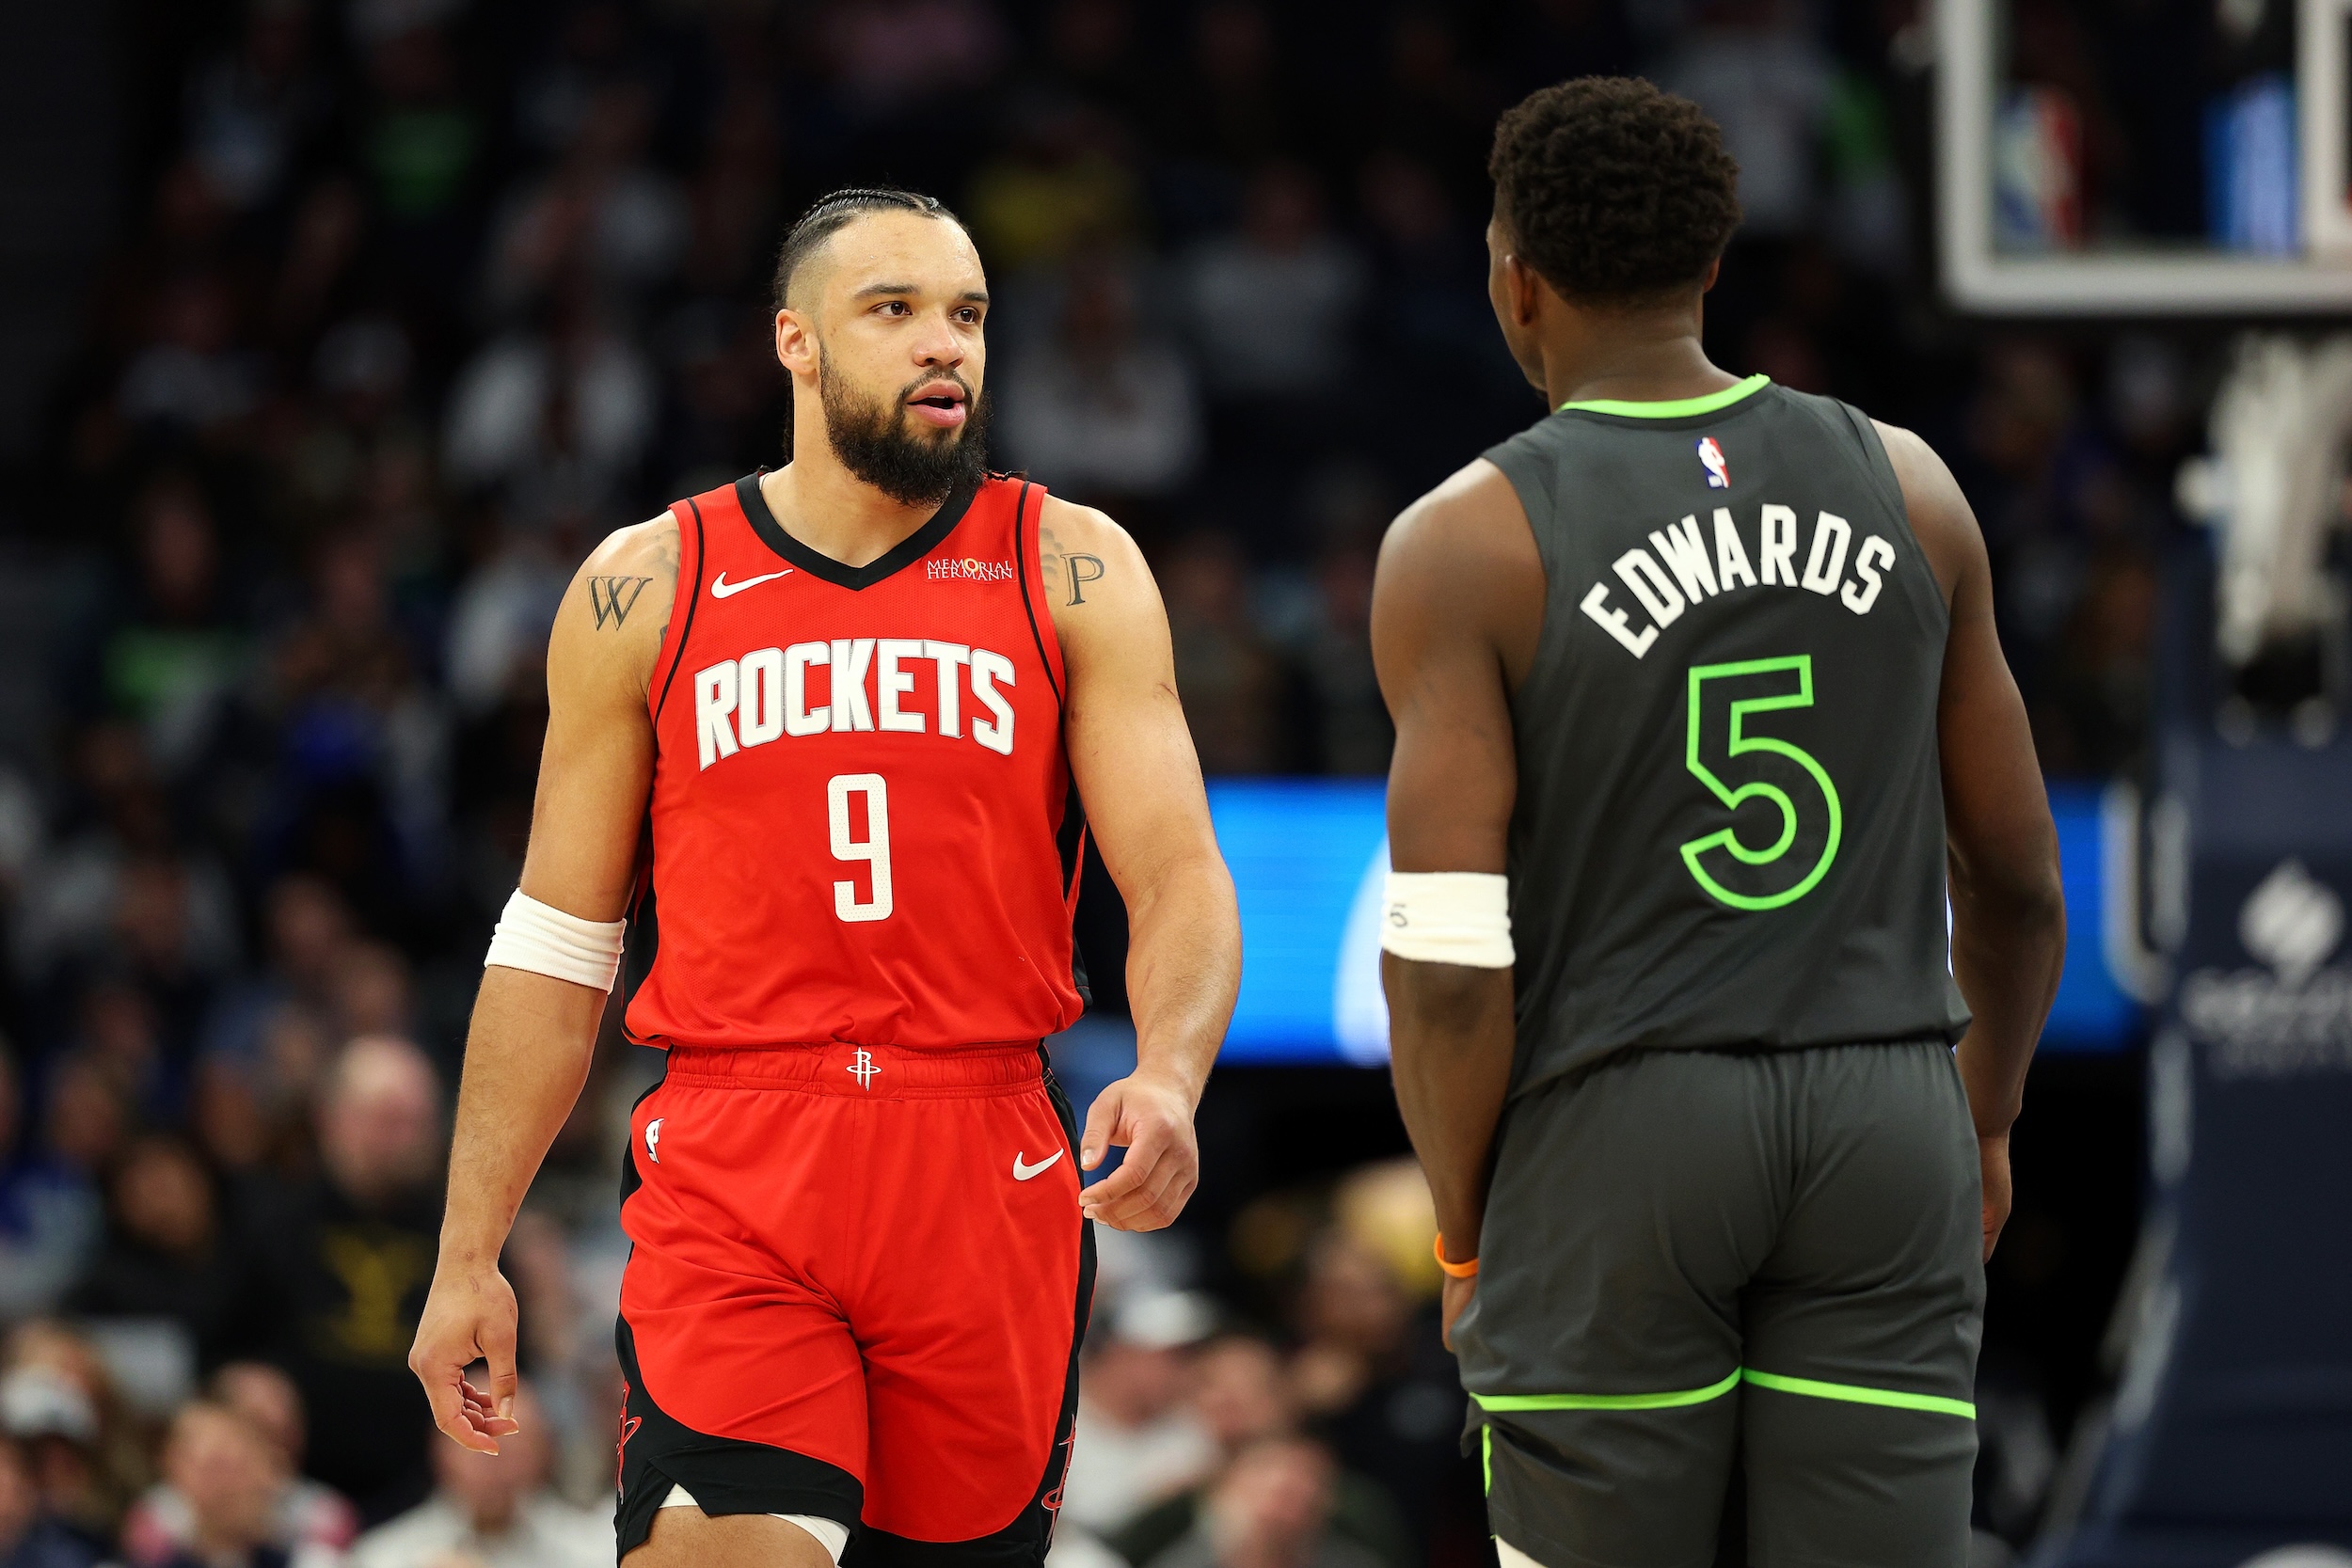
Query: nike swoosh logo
point(721, 587)
point(1023, 1172)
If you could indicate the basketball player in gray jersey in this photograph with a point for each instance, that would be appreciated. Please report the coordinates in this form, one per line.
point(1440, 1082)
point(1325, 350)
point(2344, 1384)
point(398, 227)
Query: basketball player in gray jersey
point(1700, 721)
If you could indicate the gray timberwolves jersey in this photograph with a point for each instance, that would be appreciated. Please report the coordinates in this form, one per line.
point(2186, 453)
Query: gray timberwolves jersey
point(1730, 823)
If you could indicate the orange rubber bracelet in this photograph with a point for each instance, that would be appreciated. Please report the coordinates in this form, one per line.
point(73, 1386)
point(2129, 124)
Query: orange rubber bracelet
point(1459, 1270)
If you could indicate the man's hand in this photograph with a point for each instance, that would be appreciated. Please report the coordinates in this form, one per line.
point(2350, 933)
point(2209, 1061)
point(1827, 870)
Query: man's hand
point(469, 1317)
point(1151, 1118)
point(1993, 1155)
point(1456, 1296)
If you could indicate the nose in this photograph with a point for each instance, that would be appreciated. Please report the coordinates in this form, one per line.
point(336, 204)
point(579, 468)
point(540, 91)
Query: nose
point(937, 346)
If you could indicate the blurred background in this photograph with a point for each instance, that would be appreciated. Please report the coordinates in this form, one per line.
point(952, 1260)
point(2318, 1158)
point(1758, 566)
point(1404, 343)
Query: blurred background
point(333, 334)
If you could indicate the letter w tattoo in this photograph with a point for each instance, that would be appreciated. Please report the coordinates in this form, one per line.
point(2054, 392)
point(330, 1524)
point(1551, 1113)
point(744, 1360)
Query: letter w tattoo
point(615, 597)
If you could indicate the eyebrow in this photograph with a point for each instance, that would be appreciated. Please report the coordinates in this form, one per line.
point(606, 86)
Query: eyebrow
point(878, 291)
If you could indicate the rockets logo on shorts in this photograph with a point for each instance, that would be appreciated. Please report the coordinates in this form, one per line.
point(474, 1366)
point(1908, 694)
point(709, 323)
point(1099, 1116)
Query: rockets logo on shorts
point(1711, 459)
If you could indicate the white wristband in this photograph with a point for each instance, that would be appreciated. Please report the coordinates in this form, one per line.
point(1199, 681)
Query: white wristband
point(1448, 917)
point(546, 940)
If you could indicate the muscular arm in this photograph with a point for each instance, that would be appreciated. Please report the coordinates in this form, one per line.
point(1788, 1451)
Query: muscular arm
point(2009, 913)
point(527, 1051)
point(1456, 608)
point(1135, 770)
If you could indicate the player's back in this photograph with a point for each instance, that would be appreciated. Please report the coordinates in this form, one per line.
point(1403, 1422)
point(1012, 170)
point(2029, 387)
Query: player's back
point(1729, 827)
point(861, 826)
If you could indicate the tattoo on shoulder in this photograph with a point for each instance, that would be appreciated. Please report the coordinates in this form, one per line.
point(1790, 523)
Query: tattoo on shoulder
point(612, 598)
point(1066, 568)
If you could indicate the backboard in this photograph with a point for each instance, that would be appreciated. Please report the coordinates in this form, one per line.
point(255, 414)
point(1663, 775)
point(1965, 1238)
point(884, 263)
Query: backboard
point(2255, 151)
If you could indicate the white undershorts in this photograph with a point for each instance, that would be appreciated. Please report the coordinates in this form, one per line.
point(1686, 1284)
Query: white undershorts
point(831, 1534)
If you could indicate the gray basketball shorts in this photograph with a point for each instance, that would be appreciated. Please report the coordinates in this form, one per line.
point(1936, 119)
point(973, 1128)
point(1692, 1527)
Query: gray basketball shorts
point(1691, 1256)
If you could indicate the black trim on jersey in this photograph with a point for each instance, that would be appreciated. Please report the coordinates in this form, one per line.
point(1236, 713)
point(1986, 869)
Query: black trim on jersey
point(726, 1475)
point(693, 597)
point(1071, 844)
point(1024, 1543)
point(907, 551)
point(643, 941)
point(1020, 569)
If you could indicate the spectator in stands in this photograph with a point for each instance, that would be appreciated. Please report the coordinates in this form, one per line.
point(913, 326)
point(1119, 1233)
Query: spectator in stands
point(493, 1511)
point(309, 929)
point(1270, 1508)
point(1234, 682)
point(555, 414)
point(1097, 412)
point(604, 208)
point(1241, 1391)
point(309, 1520)
point(231, 1477)
point(352, 1262)
point(1273, 304)
point(29, 1539)
point(1353, 734)
point(1137, 1443)
point(1375, 1383)
point(251, 111)
point(51, 1213)
point(88, 1455)
point(173, 1253)
point(172, 651)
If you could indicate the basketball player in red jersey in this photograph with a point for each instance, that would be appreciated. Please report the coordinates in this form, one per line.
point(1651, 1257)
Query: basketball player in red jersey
point(850, 708)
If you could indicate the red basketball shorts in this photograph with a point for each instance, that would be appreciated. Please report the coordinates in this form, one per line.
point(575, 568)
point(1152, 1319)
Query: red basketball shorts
point(857, 1284)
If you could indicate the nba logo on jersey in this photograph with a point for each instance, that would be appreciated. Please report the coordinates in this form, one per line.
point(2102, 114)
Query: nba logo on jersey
point(1711, 459)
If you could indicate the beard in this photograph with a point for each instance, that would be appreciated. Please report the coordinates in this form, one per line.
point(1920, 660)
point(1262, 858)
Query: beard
point(881, 445)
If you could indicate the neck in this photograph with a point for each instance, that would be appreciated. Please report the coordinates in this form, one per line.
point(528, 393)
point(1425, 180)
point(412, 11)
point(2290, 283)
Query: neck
point(1632, 357)
point(830, 510)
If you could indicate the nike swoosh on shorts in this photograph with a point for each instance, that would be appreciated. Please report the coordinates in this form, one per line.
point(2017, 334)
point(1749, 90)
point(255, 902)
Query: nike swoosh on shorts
point(1021, 1172)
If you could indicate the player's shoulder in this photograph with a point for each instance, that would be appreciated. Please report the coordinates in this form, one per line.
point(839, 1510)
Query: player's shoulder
point(1473, 517)
point(1079, 527)
point(651, 546)
point(1933, 505)
point(617, 609)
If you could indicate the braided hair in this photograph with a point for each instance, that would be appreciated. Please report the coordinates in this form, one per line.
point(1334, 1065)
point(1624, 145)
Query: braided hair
point(830, 215)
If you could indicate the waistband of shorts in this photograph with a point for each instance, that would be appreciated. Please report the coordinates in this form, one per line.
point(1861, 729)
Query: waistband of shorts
point(862, 1071)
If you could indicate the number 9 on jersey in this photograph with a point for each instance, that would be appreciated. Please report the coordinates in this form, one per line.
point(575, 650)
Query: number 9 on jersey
point(874, 848)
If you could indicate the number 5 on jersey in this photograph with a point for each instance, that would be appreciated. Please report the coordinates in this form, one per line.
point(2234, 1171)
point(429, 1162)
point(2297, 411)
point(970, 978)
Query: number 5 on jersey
point(874, 849)
point(1743, 877)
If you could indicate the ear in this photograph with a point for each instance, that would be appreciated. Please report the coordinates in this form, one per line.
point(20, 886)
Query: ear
point(796, 343)
point(1524, 289)
point(1714, 270)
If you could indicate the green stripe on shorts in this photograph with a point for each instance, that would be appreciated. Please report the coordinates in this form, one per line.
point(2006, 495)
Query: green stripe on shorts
point(1609, 1402)
point(1853, 1393)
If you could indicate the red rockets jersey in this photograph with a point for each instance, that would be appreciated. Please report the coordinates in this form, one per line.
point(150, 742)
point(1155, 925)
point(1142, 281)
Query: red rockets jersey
point(862, 828)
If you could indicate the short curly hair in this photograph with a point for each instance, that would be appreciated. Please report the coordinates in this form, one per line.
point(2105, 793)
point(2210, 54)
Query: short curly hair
point(1614, 190)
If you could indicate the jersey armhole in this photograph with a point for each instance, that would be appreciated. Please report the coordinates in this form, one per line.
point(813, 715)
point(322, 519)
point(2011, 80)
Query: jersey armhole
point(673, 650)
point(1029, 565)
point(1890, 486)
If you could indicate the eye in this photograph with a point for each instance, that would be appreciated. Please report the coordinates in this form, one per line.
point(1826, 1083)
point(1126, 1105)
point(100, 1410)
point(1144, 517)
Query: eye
point(969, 315)
point(894, 307)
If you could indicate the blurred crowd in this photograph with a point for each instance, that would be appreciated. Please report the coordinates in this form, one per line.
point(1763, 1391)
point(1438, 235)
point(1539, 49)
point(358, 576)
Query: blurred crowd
point(414, 300)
